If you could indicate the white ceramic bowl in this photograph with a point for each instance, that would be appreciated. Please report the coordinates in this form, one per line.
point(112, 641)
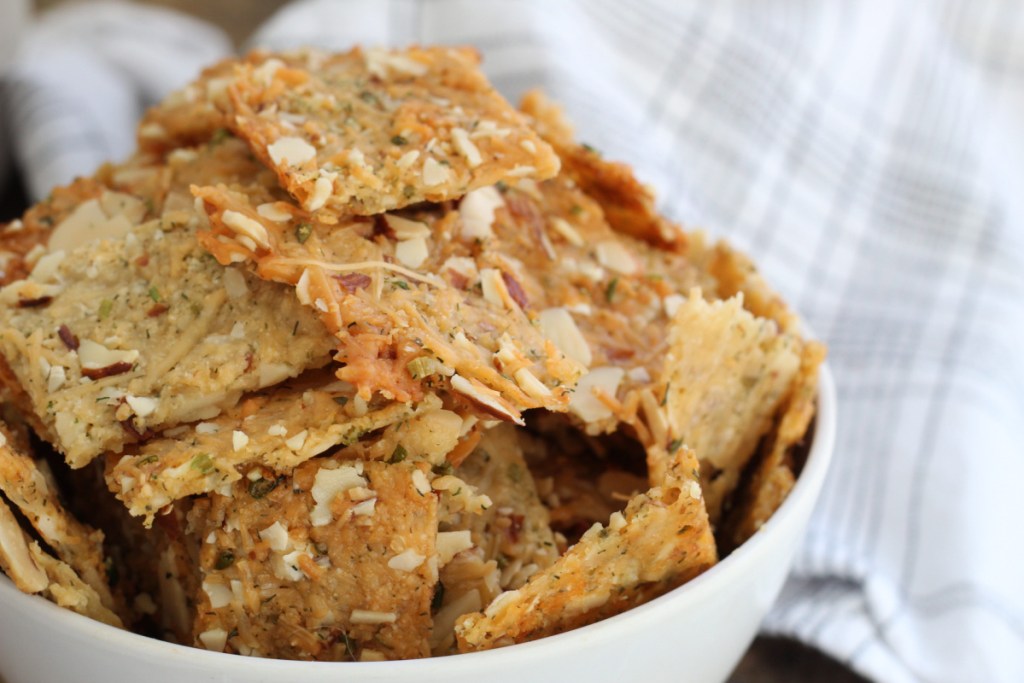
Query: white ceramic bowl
point(695, 633)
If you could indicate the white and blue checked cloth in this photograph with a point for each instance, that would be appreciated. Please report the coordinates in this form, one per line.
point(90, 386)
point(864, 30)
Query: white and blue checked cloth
point(869, 155)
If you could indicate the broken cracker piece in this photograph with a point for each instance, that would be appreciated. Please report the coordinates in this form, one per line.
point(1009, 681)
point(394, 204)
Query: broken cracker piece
point(661, 540)
point(34, 571)
point(68, 590)
point(279, 581)
point(774, 474)
point(28, 487)
point(16, 558)
point(278, 429)
point(628, 204)
point(725, 375)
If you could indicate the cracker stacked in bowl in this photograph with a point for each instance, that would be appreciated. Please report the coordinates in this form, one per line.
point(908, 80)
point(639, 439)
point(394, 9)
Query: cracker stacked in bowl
point(352, 360)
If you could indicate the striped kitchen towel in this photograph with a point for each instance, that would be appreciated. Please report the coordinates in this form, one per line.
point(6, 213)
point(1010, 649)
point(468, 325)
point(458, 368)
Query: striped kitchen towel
point(869, 156)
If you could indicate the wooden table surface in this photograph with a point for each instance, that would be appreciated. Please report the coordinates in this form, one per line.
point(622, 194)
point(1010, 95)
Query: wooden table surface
point(769, 660)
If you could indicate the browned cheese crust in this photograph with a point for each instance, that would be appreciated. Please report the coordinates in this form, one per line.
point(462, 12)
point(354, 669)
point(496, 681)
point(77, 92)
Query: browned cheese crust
point(628, 204)
point(337, 562)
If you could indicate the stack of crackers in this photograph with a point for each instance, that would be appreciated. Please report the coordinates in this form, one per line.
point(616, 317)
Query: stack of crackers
point(352, 360)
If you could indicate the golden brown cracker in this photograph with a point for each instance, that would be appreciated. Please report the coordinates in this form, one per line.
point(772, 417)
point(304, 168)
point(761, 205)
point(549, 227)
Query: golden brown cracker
point(725, 375)
point(661, 540)
point(357, 584)
point(402, 328)
point(278, 430)
point(628, 205)
point(368, 131)
point(164, 333)
point(25, 483)
point(774, 474)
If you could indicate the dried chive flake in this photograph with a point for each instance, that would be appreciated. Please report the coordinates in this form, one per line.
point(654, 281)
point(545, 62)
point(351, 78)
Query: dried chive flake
point(303, 231)
point(398, 455)
point(261, 487)
point(609, 292)
point(202, 463)
point(224, 560)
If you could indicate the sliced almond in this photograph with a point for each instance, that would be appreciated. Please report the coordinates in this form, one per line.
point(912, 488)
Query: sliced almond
point(557, 324)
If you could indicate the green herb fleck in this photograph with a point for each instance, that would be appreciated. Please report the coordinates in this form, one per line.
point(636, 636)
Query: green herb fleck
point(576, 210)
point(202, 463)
point(149, 459)
point(398, 455)
point(368, 97)
point(261, 487)
point(401, 284)
point(399, 140)
point(341, 400)
point(295, 328)
point(674, 445)
point(224, 560)
point(609, 292)
point(106, 306)
point(421, 367)
point(442, 469)
point(154, 294)
point(591, 149)
point(303, 231)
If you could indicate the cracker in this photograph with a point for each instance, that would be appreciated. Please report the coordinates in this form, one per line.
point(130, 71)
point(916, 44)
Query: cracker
point(356, 587)
point(34, 571)
point(166, 334)
point(191, 115)
point(611, 292)
point(369, 131)
point(28, 487)
point(68, 590)
point(736, 274)
point(278, 429)
point(402, 330)
point(774, 474)
point(16, 559)
point(660, 541)
point(507, 543)
point(628, 205)
point(725, 376)
point(515, 530)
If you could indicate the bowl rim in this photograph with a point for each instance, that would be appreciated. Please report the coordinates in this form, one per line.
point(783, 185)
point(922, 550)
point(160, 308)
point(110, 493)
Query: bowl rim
point(610, 630)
